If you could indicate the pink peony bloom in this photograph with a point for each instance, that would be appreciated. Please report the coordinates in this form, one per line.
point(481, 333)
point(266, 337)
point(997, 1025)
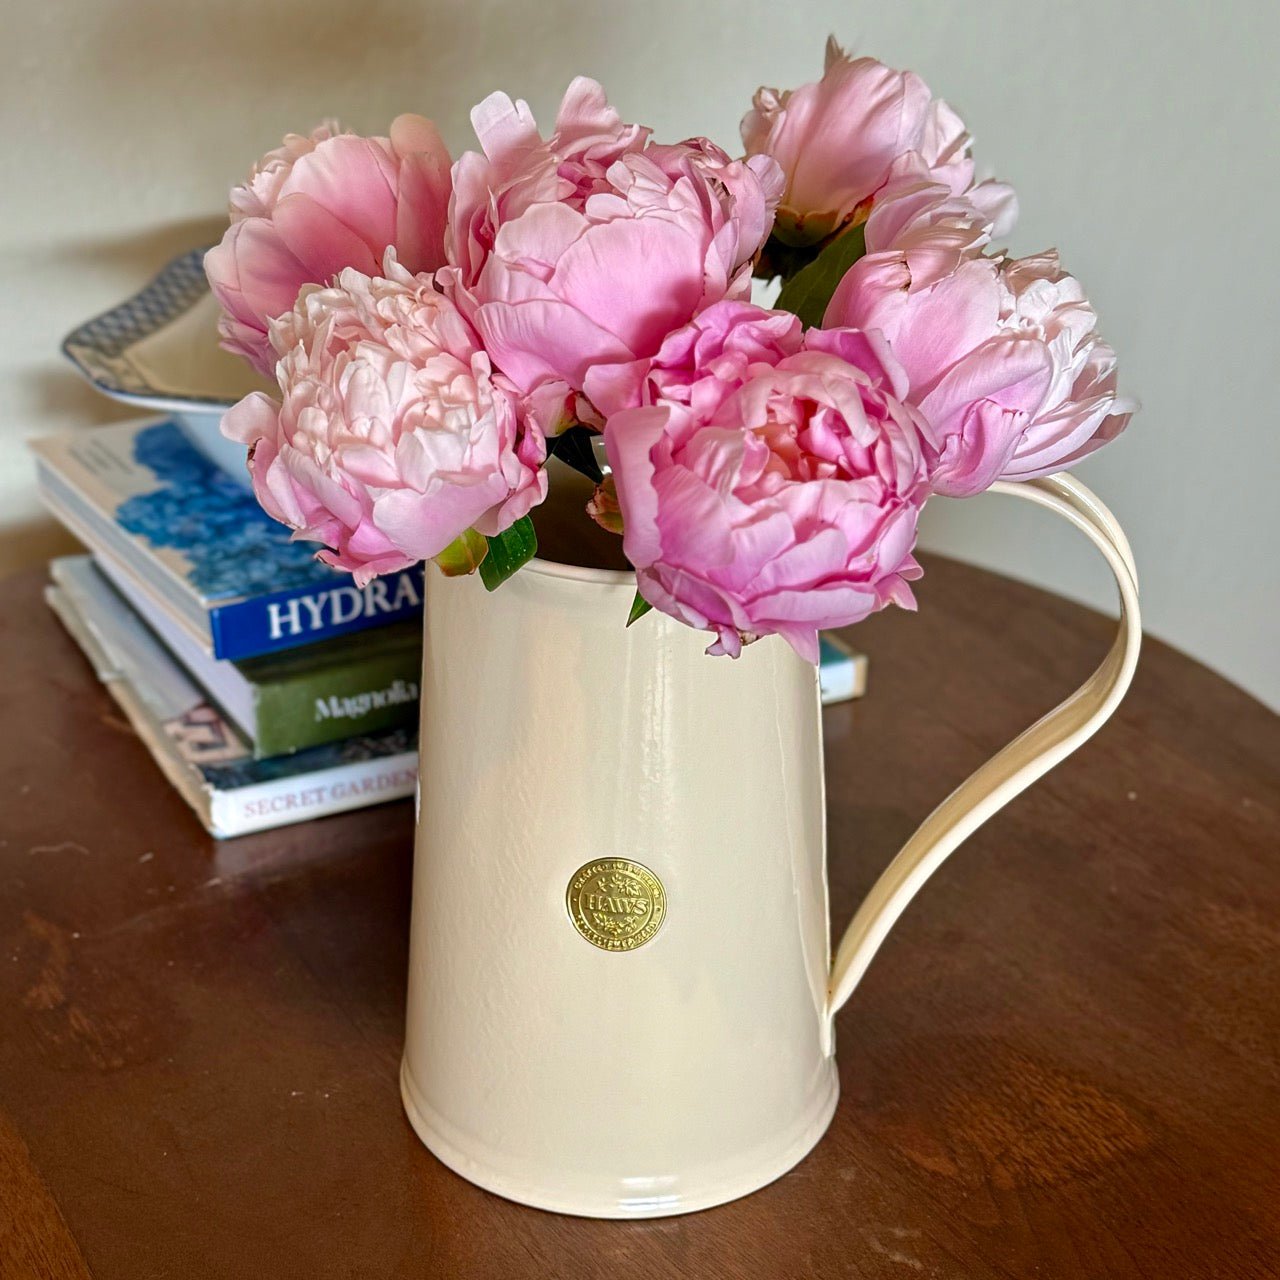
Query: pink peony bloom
point(939, 227)
point(1082, 409)
point(257, 195)
point(788, 507)
point(586, 250)
point(316, 205)
point(1002, 359)
point(702, 363)
point(394, 436)
point(838, 139)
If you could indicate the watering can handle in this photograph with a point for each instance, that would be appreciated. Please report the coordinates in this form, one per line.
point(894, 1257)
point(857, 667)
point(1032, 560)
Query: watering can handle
point(1028, 757)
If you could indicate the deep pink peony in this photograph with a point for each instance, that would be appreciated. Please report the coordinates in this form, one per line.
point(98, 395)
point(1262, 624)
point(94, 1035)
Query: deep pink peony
point(321, 203)
point(394, 436)
point(1002, 359)
point(587, 249)
point(789, 507)
point(838, 139)
point(702, 363)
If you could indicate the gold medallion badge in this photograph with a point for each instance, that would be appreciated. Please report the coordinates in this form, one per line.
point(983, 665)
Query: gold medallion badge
point(615, 904)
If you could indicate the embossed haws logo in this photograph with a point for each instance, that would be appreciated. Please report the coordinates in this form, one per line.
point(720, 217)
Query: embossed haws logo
point(615, 904)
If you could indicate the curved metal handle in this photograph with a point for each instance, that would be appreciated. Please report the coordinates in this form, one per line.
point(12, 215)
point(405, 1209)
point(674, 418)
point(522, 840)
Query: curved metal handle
point(1028, 757)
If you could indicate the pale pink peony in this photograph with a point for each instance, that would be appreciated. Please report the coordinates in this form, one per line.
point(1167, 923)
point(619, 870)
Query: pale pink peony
point(838, 139)
point(394, 436)
point(1082, 409)
point(585, 250)
point(916, 213)
point(790, 507)
point(319, 204)
point(1002, 358)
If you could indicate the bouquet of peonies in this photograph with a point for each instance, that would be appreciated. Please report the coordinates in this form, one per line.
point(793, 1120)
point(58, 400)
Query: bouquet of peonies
point(437, 330)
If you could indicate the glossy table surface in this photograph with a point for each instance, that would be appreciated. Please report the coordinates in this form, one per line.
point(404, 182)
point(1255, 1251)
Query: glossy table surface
point(1064, 1063)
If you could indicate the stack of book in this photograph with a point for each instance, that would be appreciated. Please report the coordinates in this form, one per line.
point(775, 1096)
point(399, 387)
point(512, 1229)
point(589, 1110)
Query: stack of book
point(268, 687)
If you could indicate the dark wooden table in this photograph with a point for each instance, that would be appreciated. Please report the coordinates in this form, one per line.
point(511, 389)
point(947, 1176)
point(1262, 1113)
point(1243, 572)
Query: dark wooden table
point(1064, 1063)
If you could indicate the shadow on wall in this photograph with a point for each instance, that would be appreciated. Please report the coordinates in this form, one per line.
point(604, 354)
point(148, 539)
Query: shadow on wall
point(235, 77)
point(135, 256)
point(56, 392)
point(185, 97)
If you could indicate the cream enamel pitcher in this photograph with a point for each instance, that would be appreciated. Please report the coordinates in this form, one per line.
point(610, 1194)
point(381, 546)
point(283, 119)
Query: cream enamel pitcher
point(621, 992)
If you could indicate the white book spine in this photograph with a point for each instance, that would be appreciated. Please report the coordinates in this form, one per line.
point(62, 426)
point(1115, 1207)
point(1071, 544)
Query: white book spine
point(314, 795)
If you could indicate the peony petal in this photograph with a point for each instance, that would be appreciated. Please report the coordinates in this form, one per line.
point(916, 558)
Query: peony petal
point(250, 419)
point(629, 440)
point(979, 409)
point(545, 339)
point(355, 179)
point(423, 525)
point(507, 130)
point(322, 243)
point(585, 114)
point(422, 193)
point(608, 274)
point(266, 274)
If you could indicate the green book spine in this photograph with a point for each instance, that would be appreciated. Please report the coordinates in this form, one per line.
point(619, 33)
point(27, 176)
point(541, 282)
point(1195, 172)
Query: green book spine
point(362, 688)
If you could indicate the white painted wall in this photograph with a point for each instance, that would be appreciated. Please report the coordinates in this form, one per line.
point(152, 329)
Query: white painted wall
point(1140, 133)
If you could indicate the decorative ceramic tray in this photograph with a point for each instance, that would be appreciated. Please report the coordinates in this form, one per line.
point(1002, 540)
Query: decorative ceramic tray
point(159, 350)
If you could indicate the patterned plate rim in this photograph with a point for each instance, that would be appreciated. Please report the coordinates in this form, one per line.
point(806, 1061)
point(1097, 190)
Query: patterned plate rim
point(99, 348)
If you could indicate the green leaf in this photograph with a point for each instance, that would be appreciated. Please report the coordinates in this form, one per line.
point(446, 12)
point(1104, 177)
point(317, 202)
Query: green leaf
point(573, 448)
point(507, 552)
point(807, 293)
point(463, 555)
point(639, 607)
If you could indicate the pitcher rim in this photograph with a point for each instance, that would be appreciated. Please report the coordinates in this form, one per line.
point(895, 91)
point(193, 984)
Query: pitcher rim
point(580, 573)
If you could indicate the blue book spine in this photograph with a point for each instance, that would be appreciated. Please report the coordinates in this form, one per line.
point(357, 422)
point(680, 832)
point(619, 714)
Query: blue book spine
point(304, 615)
